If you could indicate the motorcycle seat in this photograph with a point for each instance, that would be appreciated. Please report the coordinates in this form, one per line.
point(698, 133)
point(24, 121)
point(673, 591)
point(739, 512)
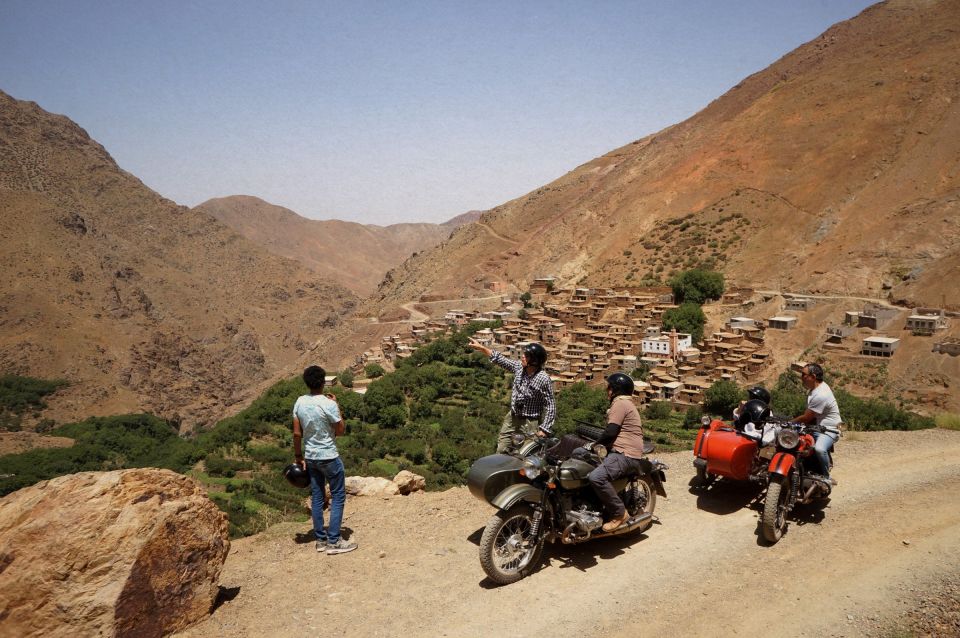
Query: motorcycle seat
point(564, 449)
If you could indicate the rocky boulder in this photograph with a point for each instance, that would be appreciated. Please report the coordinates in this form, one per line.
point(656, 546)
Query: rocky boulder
point(407, 482)
point(371, 486)
point(123, 553)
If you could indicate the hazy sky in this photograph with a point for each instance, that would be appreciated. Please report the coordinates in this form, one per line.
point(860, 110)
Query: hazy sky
point(382, 112)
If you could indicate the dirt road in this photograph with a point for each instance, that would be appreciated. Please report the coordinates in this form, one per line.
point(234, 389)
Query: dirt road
point(891, 531)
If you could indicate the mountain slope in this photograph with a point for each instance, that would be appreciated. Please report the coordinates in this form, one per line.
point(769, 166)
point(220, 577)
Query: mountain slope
point(836, 169)
point(140, 303)
point(355, 255)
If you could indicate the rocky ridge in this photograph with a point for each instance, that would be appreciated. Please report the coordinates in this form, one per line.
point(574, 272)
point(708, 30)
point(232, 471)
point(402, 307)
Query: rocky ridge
point(143, 305)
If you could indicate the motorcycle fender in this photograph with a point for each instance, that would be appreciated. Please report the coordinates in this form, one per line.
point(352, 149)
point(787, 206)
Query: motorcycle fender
point(781, 463)
point(516, 493)
point(659, 478)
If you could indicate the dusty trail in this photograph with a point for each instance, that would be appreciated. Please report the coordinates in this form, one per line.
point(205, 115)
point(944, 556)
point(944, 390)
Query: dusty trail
point(893, 524)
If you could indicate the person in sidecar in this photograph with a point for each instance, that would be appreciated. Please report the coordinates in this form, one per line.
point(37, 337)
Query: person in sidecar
point(756, 393)
point(750, 419)
point(533, 408)
point(821, 409)
point(624, 436)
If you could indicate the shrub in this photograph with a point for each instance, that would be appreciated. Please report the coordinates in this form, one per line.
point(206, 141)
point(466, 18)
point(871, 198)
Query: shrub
point(722, 397)
point(948, 421)
point(345, 378)
point(384, 468)
point(22, 394)
point(691, 418)
point(373, 370)
point(657, 410)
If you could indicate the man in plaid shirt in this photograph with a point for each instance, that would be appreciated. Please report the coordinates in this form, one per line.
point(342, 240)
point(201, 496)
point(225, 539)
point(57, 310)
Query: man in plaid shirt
point(532, 406)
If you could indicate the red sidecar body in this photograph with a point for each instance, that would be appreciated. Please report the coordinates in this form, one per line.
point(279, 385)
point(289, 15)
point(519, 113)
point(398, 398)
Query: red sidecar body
point(722, 451)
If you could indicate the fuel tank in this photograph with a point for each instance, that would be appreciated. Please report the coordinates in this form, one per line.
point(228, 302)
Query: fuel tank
point(573, 474)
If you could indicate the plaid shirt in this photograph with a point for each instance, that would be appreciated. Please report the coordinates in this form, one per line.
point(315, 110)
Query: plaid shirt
point(532, 396)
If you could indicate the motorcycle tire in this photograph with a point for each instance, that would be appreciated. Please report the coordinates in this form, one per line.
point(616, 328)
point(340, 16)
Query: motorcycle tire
point(507, 553)
point(643, 501)
point(773, 521)
point(590, 432)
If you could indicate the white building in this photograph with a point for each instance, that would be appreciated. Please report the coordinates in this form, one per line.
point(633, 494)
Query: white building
point(665, 345)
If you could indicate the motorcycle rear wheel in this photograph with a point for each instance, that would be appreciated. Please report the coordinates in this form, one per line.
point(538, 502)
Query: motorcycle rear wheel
point(642, 501)
point(508, 553)
point(773, 522)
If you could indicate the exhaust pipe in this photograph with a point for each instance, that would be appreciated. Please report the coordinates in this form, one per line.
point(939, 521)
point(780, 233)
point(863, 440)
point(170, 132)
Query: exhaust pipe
point(631, 524)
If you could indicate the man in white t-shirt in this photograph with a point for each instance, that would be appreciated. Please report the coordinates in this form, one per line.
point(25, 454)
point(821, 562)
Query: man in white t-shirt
point(316, 422)
point(821, 409)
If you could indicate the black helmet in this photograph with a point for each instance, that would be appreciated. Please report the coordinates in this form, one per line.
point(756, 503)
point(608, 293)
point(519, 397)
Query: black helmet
point(296, 475)
point(753, 411)
point(536, 354)
point(759, 393)
point(620, 384)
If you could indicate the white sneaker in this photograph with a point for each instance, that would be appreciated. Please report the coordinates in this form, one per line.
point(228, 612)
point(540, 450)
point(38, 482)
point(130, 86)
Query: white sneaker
point(340, 547)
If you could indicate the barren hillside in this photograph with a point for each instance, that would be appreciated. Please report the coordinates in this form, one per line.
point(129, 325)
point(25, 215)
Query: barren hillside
point(836, 169)
point(355, 255)
point(142, 304)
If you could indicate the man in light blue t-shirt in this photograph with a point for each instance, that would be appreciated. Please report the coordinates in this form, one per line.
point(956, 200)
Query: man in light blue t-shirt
point(821, 409)
point(317, 420)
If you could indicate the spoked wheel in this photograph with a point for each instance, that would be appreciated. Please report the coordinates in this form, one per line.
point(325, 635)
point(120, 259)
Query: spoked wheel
point(640, 498)
point(774, 519)
point(508, 552)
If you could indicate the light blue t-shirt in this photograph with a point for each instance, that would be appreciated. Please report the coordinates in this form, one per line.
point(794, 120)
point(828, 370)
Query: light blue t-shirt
point(318, 417)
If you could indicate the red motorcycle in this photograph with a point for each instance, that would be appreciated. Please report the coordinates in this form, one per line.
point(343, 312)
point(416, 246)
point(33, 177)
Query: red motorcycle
point(768, 454)
point(793, 477)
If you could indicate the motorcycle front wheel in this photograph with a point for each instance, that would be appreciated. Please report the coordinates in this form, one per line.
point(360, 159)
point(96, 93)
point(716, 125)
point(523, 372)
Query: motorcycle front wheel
point(773, 522)
point(508, 551)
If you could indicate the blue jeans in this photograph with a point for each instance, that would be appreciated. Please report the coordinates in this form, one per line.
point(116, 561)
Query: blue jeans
point(330, 471)
point(824, 443)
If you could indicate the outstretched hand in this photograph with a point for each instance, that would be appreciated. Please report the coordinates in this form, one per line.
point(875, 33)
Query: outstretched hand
point(476, 345)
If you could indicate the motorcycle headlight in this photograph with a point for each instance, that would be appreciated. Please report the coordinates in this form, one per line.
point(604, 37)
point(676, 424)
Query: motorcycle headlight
point(517, 439)
point(705, 421)
point(787, 438)
point(532, 467)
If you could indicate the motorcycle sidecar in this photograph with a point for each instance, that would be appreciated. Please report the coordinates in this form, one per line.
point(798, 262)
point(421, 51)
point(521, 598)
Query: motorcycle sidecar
point(722, 451)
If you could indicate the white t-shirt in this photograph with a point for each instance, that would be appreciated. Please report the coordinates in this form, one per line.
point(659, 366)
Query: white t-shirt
point(318, 417)
point(821, 402)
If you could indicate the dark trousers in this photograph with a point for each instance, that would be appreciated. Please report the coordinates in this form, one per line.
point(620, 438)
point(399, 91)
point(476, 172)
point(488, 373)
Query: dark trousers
point(614, 466)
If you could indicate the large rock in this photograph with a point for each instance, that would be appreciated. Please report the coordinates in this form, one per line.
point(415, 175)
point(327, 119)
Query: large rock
point(124, 553)
point(408, 482)
point(370, 486)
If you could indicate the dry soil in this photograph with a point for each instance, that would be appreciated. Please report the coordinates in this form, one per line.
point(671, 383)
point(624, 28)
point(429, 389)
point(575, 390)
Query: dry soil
point(883, 554)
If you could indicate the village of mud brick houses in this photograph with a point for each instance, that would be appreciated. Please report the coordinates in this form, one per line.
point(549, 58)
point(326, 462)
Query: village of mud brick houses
point(590, 333)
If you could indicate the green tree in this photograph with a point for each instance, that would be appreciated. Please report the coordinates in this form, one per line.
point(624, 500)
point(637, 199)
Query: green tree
point(642, 371)
point(346, 378)
point(697, 286)
point(373, 370)
point(525, 298)
point(657, 410)
point(687, 318)
point(722, 397)
point(691, 418)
